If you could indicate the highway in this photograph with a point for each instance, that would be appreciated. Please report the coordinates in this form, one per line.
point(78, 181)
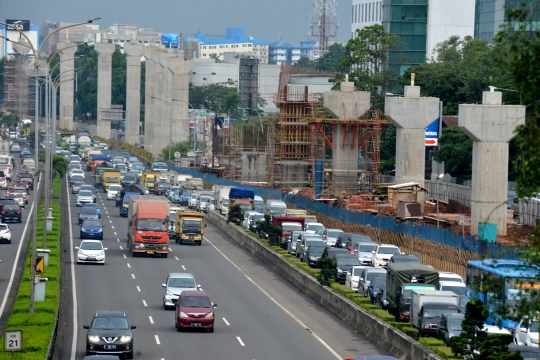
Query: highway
point(259, 315)
point(13, 255)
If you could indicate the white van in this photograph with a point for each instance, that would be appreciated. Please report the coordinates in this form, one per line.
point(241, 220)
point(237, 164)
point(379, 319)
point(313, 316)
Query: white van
point(276, 208)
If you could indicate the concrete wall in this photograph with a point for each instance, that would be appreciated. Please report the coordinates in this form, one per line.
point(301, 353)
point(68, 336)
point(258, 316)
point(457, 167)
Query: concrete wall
point(380, 333)
point(253, 166)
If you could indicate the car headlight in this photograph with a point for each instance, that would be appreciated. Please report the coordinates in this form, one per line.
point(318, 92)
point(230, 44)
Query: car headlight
point(125, 338)
point(93, 338)
point(379, 258)
point(312, 258)
point(355, 282)
point(100, 230)
point(210, 315)
point(170, 293)
point(534, 340)
point(83, 229)
point(450, 335)
point(182, 314)
point(339, 271)
point(102, 253)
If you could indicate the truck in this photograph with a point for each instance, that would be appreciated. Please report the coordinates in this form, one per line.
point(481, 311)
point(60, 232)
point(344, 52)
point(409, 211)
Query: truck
point(148, 218)
point(110, 177)
point(189, 227)
point(242, 196)
point(186, 190)
point(172, 221)
point(93, 158)
point(221, 197)
point(147, 179)
point(427, 307)
point(99, 170)
point(288, 225)
point(196, 181)
point(88, 150)
point(401, 280)
point(124, 207)
point(162, 177)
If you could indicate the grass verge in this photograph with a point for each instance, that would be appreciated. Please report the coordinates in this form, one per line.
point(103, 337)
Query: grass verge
point(37, 327)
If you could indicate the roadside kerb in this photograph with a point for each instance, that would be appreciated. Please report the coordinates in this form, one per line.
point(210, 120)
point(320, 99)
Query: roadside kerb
point(380, 333)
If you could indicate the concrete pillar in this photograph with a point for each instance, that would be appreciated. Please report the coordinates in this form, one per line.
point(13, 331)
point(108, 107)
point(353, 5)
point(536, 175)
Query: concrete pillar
point(151, 53)
point(411, 115)
point(180, 68)
point(104, 51)
point(133, 92)
point(67, 66)
point(162, 133)
point(346, 104)
point(491, 126)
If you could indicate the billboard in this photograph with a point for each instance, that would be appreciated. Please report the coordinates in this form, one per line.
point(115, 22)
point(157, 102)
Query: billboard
point(170, 40)
point(432, 134)
point(22, 25)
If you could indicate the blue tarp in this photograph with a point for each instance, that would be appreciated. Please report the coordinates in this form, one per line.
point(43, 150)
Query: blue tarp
point(241, 193)
point(100, 157)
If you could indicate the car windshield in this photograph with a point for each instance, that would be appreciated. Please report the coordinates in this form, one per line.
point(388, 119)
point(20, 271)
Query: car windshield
point(316, 250)
point(534, 327)
point(455, 324)
point(373, 275)
point(91, 245)
point(347, 261)
point(458, 290)
point(314, 227)
point(89, 211)
point(388, 250)
point(129, 178)
point(454, 279)
point(257, 218)
point(172, 217)
point(112, 180)
point(115, 188)
point(333, 233)
point(11, 207)
point(3, 227)
point(292, 227)
point(92, 205)
point(367, 248)
point(378, 282)
point(357, 272)
point(205, 199)
point(85, 193)
point(278, 209)
point(151, 225)
point(196, 302)
point(91, 223)
point(110, 324)
point(77, 178)
point(437, 310)
point(191, 224)
point(181, 283)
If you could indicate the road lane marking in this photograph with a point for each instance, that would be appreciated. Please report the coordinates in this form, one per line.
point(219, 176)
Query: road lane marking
point(106, 212)
point(124, 256)
point(133, 276)
point(277, 303)
point(73, 288)
point(110, 221)
point(183, 267)
point(129, 266)
point(144, 303)
point(240, 341)
point(115, 233)
point(108, 217)
point(170, 248)
point(138, 289)
point(121, 248)
point(226, 322)
point(112, 227)
point(118, 240)
point(157, 340)
point(176, 257)
point(151, 320)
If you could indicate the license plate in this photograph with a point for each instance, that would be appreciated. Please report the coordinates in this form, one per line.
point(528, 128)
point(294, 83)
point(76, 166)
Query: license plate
point(150, 252)
point(196, 324)
point(191, 237)
point(109, 347)
point(90, 259)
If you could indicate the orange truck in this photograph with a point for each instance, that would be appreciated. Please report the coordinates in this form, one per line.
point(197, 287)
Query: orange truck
point(148, 225)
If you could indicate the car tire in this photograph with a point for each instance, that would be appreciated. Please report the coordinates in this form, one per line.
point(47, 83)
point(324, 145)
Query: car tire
point(20, 221)
point(81, 236)
point(200, 243)
point(129, 355)
point(181, 242)
point(178, 328)
point(211, 330)
point(164, 255)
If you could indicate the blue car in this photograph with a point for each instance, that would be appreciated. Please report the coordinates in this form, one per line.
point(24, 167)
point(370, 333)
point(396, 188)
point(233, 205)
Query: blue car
point(92, 229)
point(373, 288)
point(95, 206)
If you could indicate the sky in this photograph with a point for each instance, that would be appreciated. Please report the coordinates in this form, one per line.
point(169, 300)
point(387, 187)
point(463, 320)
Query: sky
point(262, 19)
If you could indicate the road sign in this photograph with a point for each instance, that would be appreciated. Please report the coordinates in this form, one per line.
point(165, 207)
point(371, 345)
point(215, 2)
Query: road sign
point(40, 264)
point(177, 155)
point(13, 340)
point(432, 134)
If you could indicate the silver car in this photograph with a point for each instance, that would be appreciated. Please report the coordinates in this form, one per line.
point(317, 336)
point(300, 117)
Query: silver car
point(76, 187)
point(176, 283)
point(330, 236)
point(84, 196)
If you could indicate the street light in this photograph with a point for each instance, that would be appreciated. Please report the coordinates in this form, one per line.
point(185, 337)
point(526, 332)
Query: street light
point(438, 179)
point(493, 88)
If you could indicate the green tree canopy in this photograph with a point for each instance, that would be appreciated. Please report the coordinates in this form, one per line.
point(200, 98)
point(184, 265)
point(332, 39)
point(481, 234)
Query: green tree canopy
point(456, 151)
point(182, 147)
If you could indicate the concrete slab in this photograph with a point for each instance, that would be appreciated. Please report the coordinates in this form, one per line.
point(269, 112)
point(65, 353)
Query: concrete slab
point(347, 105)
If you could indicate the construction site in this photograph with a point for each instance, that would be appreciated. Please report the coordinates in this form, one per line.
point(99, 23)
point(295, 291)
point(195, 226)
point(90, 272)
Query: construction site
point(19, 88)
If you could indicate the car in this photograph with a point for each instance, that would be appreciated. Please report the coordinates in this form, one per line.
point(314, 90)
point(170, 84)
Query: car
point(449, 326)
point(22, 192)
point(118, 199)
point(15, 148)
point(27, 183)
point(330, 236)
point(11, 212)
point(3, 183)
point(101, 357)
point(128, 180)
point(5, 234)
point(368, 274)
point(313, 253)
point(175, 285)
point(383, 253)
point(19, 199)
point(527, 332)
point(372, 357)
point(344, 263)
point(194, 310)
point(76, 187)
point(304, 241)
point(75, 171)
point(76, 178)
point(92, 229)
point(405, 258)
point(162, 188)
point(450, 276)
point(364, 252)
point(120, 167)
point(144, 189)
point(353, 276)
point(291, 245)
point(91, 251)
point(313, 227)
point(374, 287)
point(112, 191)
point(87, 213)
point(333, 251)
point(352, 240)
point(110, 332)
point(380, 299)
point(95, 206)
point(202, 201)
point(84, 197)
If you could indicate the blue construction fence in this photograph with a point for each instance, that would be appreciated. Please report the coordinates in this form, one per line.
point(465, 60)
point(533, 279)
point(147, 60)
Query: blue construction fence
point(423, 231)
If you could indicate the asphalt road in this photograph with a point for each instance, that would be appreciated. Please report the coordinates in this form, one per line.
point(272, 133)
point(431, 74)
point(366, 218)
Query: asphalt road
point(13, 255)
point(259, 315)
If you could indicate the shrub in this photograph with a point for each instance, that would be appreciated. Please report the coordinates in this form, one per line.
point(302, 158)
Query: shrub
point(328, 269)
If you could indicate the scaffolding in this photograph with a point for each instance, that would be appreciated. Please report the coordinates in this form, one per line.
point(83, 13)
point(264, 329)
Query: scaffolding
point(248, 83)
point(19, 88)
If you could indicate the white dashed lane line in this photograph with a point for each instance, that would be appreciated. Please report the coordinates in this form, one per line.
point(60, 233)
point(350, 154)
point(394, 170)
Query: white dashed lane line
point(110, 221)
point(112, 227)
point(183, 267)
point(157, 340)
point(138, 289)
point(133, 276)
point(124, 256)
point(121, 248)
point(226, 322)
point(151, 320)
point(129, 266)
point(144, 303)
point(240, 341)
point(115, 233)
point(176, 257)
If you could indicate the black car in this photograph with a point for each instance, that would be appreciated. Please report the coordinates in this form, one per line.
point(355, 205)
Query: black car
point(314, 253)
point(76, 178)
point(87, 213)
point(449, 326)
point(27, 183)
point(101, 357)
point(405, 258)
point(128, 180)
point(118, 199)
point(11, 212)
point(344, 263)
point(380, 299)
point(110, 333)
point(7, 201)
point(332, 252)
point(162, 188)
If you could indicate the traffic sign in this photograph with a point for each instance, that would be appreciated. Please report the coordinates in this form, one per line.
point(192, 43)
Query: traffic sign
point(13, 340)
point(40, 265)
point(177, 155)
point(432, 134)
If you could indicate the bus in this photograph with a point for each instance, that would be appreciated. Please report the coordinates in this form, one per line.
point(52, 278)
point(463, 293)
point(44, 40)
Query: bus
point(501, 284)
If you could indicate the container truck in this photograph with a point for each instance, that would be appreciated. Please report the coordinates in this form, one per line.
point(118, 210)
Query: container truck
point(196, 181)
point(147, 179)
point(95, 157)
point(148, 219)
point(242, 196)
point(111, 178)
point(401, 280)
point(221, 197)
point(189, 227)
point(288, 225)
point(427, 307)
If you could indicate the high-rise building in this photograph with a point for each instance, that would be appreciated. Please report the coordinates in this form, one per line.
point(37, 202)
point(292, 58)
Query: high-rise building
point(365, 13)
point(490, 16)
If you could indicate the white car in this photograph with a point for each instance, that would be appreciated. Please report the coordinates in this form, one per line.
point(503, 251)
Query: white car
point(383, 253)
point(91, 251)
point(330, 236)
point(112, 191)
point(450, 276)
point(5, 233)
point(192, 202)
point(84, 196)
point(3, 183)
point(527, 334)
point(312, 228)
point(353, 276)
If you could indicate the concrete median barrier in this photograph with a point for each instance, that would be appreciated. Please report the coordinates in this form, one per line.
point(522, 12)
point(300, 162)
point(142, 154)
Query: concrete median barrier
point(380, 333)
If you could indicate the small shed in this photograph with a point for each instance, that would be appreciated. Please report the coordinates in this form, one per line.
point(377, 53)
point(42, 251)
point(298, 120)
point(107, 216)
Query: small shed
point(408, 192)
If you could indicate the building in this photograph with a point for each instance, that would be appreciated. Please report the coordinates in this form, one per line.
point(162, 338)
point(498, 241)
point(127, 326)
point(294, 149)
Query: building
point(121, 34)
point(234, 42)
point(30, 30)
point(285, 52)
point(490, 16)
point(365, 13)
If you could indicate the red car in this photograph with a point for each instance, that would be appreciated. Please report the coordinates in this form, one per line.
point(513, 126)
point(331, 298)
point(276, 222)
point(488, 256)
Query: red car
point(194, 310)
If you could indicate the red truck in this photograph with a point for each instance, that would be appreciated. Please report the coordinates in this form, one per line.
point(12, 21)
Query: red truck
point(288, 225)
point(148, 227)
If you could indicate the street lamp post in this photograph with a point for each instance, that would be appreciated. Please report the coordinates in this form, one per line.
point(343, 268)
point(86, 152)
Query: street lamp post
point(438, 180)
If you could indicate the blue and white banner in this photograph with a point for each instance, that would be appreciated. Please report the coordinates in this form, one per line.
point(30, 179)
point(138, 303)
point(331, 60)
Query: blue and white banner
point(170, 40)
point(432, 134)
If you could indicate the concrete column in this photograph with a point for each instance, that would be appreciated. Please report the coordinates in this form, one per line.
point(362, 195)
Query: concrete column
point(133, 92)
point(346, 104)
point(151, 53)
point(180, 68)
point(491, 126)
point(104, 51)
point(162, 134)
point(67, 92)
point(411, 115)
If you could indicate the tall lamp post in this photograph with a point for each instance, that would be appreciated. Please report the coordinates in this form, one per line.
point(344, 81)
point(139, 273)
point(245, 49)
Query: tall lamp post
point(438, 180)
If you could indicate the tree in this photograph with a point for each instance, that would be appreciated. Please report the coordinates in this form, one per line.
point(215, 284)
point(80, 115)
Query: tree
point(215, 57)
point(328, 269)
point(182, 147)
point(366, 61)
point(305, 63)
point(9, 119)
point(235, 214)
point(331, 60)
point(456, 151)
point(219, 98)
point(60, 165)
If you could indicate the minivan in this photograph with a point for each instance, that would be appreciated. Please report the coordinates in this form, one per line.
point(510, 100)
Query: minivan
point(276, 207)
